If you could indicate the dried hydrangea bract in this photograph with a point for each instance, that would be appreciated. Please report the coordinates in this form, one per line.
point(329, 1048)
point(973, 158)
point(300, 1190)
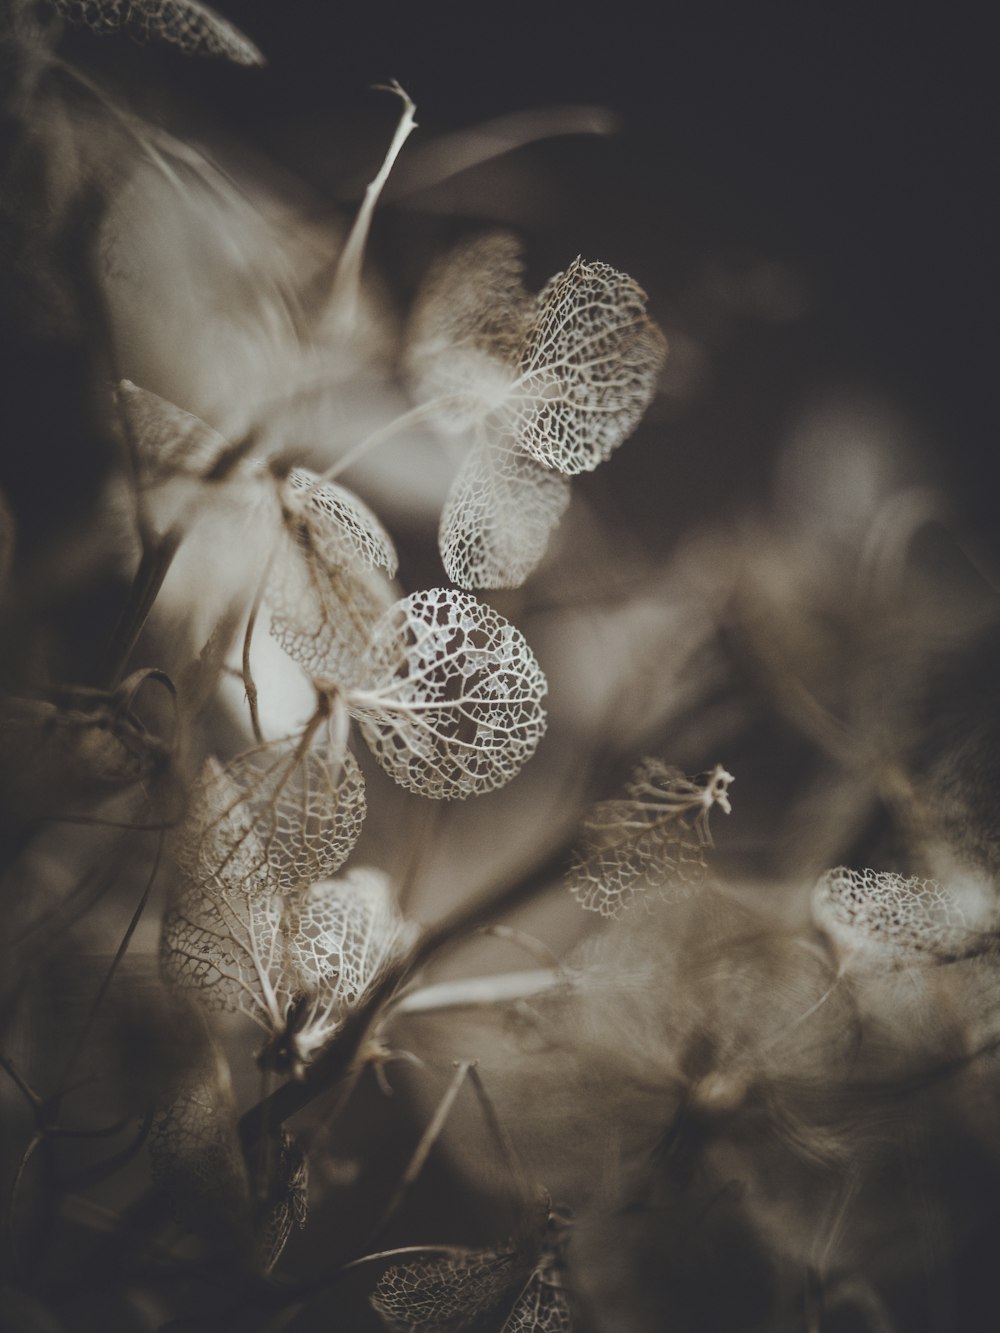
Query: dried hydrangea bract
point(330, 579)
point(543, 1306)
point(272, 820)
point(896, 917)
point(588, 368)
point(649, 841)
point(167, 441)
point(550, 385)
point(197, 1159)
point(193, 28)
point(286, 1205)
point(343, 935)
point(194, 1149)
point(466, 330)
point(447, 1293)
point(452, 701)
point(292, 963)
point(499, 515)
point(452, 1292)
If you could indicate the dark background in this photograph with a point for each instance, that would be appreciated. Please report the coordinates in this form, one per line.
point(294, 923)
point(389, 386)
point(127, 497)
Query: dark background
point(858, 148)
point(858, 142)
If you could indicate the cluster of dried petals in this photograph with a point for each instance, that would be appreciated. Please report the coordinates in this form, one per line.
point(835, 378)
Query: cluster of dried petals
point(293, 963)
point(550, 386)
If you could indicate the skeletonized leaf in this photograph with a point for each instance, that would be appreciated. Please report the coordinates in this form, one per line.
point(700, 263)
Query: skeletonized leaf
point(214, 947)
point(196, 1157)
point(168, 441)
point(447, 1293)
point(499, 515)
point(587, 369)
point(896, 916)
point(338, 524)
point(468, 322)
point(543, 1306)
point(652, 839)
point(340, 938)
point(451, 705)
point(293, 963)
point(195, 1154)
point(192, 27)
point(272, 819)
point(331, 577)
point(345, 932)
point(287, 1201)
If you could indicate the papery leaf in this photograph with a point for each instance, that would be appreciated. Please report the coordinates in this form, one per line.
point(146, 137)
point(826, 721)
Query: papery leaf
point(469, 320)
point(168, 442)
point(897, 916)
point(338, 525)
point(587, 370)
point(218, 948)
point(272, 819)
point(652, 839)
point(287, 1202)
point(330, 581)
point(543, 1306)
point(451, 704)
point(293, 963)
point(499, 515)
point(345, 932)
point(192, 27)
point(447, 1293)
point(195, 1153)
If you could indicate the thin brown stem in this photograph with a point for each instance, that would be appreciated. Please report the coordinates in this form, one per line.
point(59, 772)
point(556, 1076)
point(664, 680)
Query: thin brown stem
point(157, 557)
point(249, 684)
point(422, 1151)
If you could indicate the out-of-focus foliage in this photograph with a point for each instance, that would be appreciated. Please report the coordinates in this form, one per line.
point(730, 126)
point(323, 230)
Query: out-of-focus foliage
point(652, 839)
point(192, 27)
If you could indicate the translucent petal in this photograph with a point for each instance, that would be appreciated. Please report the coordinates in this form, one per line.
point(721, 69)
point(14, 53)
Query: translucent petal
point(215, 948)
point(542, 1307)
point(272, 819)
point(330, 581)
point(344, 933)
point(338, 524)
point(652, 839)
point(192, 27)
point(499, 515)
point(195, 1154)
point(895, 916)
point(447, 1293)
point(168, 442)
point(587, 369)
point(468, 322)
point(451, 705)
point(287, 1203)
